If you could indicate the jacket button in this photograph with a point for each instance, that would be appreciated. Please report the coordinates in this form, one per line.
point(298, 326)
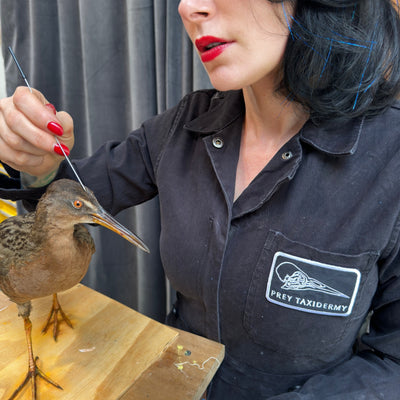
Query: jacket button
point(287, 155)
point(218, 143)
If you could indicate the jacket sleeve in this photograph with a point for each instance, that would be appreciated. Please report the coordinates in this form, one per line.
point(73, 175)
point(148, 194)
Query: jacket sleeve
point(374, 371)
point(11, 188)
point(121, 174)
point(124, 174)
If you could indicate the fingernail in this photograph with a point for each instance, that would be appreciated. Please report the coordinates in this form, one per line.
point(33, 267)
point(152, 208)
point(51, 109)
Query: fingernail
point(52, 108)
point(57, 149)
point(57, 129)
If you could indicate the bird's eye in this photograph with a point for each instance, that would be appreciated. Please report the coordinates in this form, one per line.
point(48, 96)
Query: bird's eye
point(78, 204)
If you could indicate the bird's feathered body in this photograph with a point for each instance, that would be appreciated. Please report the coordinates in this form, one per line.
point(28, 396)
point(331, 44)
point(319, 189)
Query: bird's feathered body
point(38, 259)
point(48, 251)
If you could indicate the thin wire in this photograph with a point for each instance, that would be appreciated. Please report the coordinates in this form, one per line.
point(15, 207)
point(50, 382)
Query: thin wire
point(70, 164)
point(195, 364)
point(55, 137)
point(19, 68)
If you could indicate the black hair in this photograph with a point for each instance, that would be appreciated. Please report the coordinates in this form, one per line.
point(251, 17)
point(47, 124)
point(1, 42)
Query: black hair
point(342, 59)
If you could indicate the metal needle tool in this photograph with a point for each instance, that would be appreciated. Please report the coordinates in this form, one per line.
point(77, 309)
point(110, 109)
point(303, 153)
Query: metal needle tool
point(55, 137)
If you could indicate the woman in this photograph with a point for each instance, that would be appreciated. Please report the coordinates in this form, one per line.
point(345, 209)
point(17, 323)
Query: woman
point(279, 192)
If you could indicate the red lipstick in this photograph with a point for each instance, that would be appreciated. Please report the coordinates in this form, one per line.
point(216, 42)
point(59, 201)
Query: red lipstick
point(211, 47)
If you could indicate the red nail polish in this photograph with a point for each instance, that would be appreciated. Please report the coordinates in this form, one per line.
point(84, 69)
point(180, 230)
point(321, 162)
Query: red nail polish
point(57, 149)
point(52, 108)
point(56, 128)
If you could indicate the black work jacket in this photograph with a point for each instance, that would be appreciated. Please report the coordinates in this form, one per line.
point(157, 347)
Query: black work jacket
point(285, 275)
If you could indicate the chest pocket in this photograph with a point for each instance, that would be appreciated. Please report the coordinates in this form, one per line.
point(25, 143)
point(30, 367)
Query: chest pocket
point(303, 301)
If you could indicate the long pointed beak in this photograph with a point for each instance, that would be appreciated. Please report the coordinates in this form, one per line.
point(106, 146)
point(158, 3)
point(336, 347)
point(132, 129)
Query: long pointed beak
point(104, 219)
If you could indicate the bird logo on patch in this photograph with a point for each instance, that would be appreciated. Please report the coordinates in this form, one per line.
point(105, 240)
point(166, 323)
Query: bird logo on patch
point(293, 278)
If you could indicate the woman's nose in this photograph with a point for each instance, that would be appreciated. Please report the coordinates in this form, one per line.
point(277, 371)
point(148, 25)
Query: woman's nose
point(196, 10)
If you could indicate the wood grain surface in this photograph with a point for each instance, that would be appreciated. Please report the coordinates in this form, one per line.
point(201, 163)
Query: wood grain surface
point(113, 352)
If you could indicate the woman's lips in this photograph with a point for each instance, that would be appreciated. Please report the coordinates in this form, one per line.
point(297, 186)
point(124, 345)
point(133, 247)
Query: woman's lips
point(211, 47)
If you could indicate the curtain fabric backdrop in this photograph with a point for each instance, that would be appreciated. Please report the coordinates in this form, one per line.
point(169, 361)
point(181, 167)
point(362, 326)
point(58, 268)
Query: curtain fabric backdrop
point(111, 64)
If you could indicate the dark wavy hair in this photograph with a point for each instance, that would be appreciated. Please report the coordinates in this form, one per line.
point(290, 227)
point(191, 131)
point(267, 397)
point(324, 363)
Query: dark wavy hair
point(343, 57)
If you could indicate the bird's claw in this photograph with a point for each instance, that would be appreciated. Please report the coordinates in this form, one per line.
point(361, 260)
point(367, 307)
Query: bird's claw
point(53, 318)
point(33, 372)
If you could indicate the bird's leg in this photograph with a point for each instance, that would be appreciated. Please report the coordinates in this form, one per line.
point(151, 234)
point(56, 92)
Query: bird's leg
point(33, 370)
point(53, 317)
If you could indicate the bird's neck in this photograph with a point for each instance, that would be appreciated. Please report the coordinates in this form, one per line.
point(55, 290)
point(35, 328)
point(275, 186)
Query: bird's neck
point(49, 225)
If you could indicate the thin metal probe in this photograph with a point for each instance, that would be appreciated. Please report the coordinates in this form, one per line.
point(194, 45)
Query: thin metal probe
point(19, 68)
point(55, 137)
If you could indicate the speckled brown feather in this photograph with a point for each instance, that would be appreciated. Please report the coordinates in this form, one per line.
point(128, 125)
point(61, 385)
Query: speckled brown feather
point(46, 251)
point(49, 251)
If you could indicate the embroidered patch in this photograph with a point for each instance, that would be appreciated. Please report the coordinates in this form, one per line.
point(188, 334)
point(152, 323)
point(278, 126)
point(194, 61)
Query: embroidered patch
point(313, 287)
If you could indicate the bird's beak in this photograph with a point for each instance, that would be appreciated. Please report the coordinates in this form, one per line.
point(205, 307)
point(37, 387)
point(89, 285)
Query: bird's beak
point(104, 219)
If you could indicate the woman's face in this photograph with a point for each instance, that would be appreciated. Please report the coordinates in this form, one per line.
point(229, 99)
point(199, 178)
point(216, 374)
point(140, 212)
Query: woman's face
point(241, 42)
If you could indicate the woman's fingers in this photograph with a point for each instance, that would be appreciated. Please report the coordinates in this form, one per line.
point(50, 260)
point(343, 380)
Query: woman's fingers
point(68, 125)
point(32, 120)
point(28, 126)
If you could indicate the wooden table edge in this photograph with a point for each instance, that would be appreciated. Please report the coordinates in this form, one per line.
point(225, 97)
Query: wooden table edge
point(190, 374)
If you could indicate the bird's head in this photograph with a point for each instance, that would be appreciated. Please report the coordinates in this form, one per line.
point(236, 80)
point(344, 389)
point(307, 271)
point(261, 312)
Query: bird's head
point(66, 203)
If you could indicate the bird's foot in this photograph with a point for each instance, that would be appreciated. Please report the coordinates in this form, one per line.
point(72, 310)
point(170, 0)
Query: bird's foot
point(34, 371)
point(55, 316)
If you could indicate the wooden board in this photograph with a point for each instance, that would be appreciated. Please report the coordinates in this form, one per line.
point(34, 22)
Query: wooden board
point(183, 371)
point(113, 352)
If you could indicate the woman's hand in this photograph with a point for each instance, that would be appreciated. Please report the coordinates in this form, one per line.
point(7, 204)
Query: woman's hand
point(28, 125)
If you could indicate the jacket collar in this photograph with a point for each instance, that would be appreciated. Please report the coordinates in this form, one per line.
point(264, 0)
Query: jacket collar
point(331, 138)
point(225, 108)
point(336, 139)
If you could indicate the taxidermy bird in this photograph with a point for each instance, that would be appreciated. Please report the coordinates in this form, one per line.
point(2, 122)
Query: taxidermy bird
point(48, 251)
